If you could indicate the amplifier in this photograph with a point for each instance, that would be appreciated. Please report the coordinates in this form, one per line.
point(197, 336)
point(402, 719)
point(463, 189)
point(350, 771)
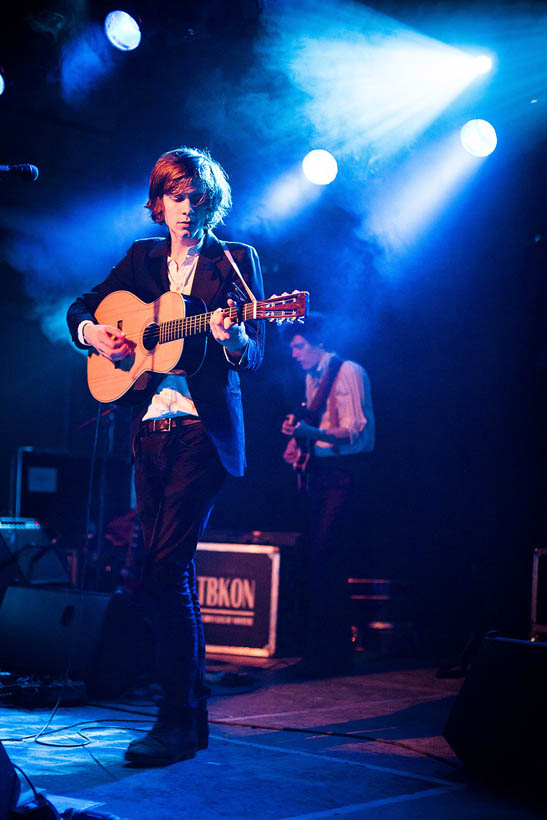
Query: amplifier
point(53, 485)
point(248, 597)
point(26, 554)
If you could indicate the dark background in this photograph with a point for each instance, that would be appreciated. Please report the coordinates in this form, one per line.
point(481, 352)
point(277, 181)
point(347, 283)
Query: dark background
point(451, 332)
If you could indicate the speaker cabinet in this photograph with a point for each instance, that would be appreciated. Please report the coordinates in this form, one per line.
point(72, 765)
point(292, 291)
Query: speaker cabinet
point(90, 636)
point(498, 724)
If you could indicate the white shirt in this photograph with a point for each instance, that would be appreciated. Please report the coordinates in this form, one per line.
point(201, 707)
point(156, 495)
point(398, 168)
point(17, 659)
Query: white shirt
point(349, 406)
point(172, 397)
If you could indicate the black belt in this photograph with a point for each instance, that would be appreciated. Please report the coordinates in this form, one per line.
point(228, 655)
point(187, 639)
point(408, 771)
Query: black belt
point(165, 425)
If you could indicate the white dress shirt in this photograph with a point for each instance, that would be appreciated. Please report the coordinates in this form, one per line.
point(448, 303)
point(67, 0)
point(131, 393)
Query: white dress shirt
point(348, 406)
point(172, 397)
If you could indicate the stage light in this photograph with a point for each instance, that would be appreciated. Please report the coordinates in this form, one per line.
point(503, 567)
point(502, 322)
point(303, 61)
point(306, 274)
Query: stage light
point(366, 84)
point(122, 30)
point(478, 137)
point(319, 167)
point(482, 64)
point(2, 83)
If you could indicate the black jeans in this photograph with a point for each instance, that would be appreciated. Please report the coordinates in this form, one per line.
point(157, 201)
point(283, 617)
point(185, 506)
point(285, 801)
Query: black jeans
point(177, 477)
point(332, 485)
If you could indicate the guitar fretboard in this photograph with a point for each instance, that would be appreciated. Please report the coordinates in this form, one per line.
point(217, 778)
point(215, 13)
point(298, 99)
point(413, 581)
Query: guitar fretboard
point(199, 323)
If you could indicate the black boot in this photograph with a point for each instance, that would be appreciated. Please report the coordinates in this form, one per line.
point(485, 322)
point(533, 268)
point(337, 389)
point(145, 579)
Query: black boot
point(202, 728)
point(173, 738)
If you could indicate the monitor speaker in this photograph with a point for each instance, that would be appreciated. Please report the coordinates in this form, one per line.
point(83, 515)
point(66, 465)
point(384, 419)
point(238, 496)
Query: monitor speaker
point(9, 784)
point(498, 724)
point(94, 637)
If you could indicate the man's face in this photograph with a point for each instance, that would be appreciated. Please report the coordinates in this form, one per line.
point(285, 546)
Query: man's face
point(306, 354)
point(184, 214)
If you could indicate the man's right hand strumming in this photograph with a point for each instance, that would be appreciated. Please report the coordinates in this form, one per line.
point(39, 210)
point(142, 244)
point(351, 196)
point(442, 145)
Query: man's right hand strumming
point(107, 340)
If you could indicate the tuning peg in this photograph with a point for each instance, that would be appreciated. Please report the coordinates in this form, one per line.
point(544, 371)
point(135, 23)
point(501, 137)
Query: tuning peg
point(274, 296)
point(300, 321)
point(295, 291)
point(284, 293)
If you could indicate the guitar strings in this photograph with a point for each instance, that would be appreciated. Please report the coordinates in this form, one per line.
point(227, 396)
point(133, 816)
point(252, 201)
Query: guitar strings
point(174, 329)
point(188, 324)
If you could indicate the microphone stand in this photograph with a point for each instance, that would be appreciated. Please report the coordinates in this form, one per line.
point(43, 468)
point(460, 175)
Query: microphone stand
point(109, 449)
point(109, 415)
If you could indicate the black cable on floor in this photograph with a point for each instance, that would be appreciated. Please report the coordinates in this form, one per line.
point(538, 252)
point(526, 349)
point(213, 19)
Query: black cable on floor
point(346, 735)
point(67, 728)
point(325, 733)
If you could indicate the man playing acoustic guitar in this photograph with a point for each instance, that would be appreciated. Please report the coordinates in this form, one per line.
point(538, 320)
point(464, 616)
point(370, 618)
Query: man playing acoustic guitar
point(328, 441)
point(188, 420)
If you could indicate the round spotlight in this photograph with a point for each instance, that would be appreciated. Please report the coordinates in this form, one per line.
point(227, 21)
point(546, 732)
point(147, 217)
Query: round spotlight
point(478, 137)
point(482, 64)
point(122, 30)
point(2, 84)
point(319, 167)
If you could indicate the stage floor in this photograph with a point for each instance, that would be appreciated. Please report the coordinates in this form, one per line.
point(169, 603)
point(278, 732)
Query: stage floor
point(366, 745)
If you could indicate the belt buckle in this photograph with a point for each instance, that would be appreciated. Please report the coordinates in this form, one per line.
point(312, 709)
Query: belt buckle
point(160, 425)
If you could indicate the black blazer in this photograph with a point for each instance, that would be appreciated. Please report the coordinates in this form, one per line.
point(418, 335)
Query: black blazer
point(215, 388)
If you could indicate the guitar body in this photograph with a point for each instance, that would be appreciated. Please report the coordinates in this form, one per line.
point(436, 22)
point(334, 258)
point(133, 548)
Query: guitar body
point(303, 449)
point(108, 381)
point(311, 415)
point(169, 335)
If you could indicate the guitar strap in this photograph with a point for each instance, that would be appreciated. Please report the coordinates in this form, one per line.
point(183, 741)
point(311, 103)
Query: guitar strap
point(318, 403)
point(233, 263)
point(312, 415)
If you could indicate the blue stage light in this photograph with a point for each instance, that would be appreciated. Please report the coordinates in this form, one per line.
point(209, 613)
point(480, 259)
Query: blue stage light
point(482, 64)
point(319, 167)
point(2, 84)
point(478, 137)
point(122, 30)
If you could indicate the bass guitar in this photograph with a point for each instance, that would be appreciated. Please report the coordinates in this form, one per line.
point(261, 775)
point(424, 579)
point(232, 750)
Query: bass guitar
point(170, 333)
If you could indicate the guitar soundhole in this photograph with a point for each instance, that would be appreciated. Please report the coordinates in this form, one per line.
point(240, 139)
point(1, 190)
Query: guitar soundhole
point(151, 336)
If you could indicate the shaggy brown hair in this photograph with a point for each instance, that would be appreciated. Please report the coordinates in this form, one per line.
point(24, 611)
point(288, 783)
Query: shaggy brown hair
point(175, 169)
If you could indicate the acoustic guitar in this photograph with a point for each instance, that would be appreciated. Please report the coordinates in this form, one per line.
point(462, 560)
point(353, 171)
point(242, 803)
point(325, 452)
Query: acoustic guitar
point(170, 333)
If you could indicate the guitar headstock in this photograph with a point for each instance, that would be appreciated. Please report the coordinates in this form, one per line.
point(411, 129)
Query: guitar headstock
point(288, 307)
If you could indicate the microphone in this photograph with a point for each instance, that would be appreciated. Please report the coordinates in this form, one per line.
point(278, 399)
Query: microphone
point(25, 171)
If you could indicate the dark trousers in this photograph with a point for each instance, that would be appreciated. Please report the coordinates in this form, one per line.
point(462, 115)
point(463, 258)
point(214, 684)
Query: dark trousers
point(177, 477)
point(332, 484)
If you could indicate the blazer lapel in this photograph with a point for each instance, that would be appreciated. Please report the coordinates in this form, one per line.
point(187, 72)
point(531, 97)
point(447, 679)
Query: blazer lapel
point(211, 272)
point(158, 265)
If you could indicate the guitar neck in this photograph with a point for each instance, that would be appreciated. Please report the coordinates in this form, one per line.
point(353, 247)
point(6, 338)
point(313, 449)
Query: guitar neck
point(199, 323)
